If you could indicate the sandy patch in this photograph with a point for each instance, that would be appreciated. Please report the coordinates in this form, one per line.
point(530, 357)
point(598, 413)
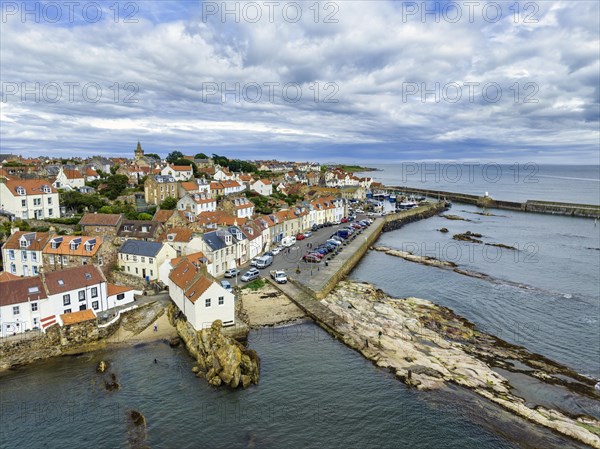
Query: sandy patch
point(268, 307)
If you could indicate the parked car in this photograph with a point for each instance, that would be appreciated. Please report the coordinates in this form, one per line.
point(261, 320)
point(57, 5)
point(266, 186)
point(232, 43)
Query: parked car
point(250, 275)
point(275, 251)
point(334, 242)
point(232, 272)
point(311, 258)
point(288, 241)
point(300, 236)
point(328, 224)
point(253, 262)
point(308, 234)
point(336, 222)
point(269, 253)
point(279, 276)
point(359, 211)
point(226, 285)
point(264, 261)
point(344, 220)
point(314, 227)
point(337, 237)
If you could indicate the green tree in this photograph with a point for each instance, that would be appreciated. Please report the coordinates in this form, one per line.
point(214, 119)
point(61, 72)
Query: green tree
point(114, 168)
point(201, 156)
point(144, 216)
point(153, 156)
point(173, 156)
point(116, 185)
point(169, 203)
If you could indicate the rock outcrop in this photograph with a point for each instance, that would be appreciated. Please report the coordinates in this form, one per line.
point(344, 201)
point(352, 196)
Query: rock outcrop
point(220, 359)
point(468, 236)
point(427, 346)
point(425, 260)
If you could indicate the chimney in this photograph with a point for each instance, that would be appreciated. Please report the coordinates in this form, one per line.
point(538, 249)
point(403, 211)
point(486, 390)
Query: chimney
point(13, 230)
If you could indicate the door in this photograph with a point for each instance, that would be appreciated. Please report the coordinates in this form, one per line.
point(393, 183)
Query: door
point(144, 273)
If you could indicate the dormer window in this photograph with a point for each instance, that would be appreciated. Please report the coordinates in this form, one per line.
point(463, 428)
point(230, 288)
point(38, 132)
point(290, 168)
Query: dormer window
point(55, 243)
point(89, 245)
point(21, 191)
point(46, 189)
point(171, 237)
point(144, 228)
point(228, 239)
point(75, 244)
point(24, 243)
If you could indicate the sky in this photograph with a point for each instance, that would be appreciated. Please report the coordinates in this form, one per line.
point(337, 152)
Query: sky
point(344, 81)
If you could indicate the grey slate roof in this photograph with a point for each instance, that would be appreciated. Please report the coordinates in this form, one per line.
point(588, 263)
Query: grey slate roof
point(141, 248)
point(214, 241)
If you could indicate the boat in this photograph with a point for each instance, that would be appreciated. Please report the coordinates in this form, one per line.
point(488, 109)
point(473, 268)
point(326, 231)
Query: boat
point(369, 194)
point(392, 198)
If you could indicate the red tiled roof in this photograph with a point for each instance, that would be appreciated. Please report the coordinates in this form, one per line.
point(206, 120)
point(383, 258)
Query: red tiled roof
point(31, 186)
point(73, 278)
point(37, 244)
point(77, 317)
point(112, 289)
point(100, 219)
point(6, 276)
point(20, 290)
point(163, 215)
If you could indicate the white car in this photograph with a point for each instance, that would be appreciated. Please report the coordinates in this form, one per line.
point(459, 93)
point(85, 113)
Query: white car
point(276, 251)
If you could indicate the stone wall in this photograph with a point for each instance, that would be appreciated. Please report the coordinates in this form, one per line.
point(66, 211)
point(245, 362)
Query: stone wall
point(120, 278)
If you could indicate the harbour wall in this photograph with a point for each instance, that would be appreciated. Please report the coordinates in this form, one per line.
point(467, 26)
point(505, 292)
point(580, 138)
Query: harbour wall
point(535, 206)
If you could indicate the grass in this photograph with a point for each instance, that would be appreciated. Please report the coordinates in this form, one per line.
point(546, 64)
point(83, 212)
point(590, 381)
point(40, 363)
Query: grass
point(256, 284)
point(589, 427)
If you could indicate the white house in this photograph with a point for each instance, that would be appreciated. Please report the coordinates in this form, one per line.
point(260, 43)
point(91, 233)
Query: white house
point(38, 302)
point(230, 187)
point(243, 207)
point(199, 297)
point(69, 179)
point(29, 199)
point(197, 203)
point(223, 174)
point(22, 252)
point(263, 187)
point(179, 172)
point(142, 259)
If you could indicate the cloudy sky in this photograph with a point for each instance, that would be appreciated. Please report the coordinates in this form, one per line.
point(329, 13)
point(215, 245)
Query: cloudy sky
point(344, 81)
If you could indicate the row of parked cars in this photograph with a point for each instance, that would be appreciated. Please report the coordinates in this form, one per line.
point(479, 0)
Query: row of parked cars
point(336, 240)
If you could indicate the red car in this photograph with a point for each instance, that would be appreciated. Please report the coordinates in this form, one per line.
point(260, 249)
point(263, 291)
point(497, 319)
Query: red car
point(311, 258)
point(300, 237)
point(344, 220)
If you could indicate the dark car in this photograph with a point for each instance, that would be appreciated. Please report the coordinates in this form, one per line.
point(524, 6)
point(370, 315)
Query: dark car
point(337, 237)
point(314, 227)
point(311, 258)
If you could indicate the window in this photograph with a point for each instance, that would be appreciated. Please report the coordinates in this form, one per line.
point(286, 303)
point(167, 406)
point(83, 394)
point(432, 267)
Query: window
point(82, 307)
point(65, 260)
point(35, 270)
point(23, 243)
point(151, 273)
point(49, 200)
point(37, 201)
point(67, 310)
point(23, 203)
point(16, 310)
point(143, 259)
point(221, 300)
point(34, 306)
point(66, 300)
point(51, 258)
point(13, 268)
point(24, 256)
point(11, 254)
point(20, 190)
point(50, 212)
point(137, 271)
point(207, 302)
point(151, 260)
point(94, 292)
point(34, 256)
point(100, 261)
point(120, 296)
point(95, 305)
point(82, 295)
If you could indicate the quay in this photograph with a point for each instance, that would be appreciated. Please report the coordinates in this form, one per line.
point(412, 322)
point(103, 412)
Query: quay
point(315, 281)
point(535, 206)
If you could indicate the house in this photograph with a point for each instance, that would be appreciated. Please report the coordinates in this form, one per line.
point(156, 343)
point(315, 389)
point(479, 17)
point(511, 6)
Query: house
point(179, 172)
point(22, 252)
point(41, 301)
point(67, 251)
point(90, 174)
point(69, 179)
point(170, 218)
point(231, 187)
point(100, 224)
point(193, 187)
point(220, 248)
point(178, 238)
point(197, 203)
point(139, 229)
point(197, 258)
point(245, 180)
point(142, 259)
point(255, 239)
point(240, 207)
point(199, 297)
point(353, 193)
point(158, 187)
point(223, 174)
point(29, 199)
point(263, 187)
point(216, 189)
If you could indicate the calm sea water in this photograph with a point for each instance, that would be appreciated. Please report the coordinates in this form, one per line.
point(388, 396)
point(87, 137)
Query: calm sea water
point(515, 182)
point(314, 393)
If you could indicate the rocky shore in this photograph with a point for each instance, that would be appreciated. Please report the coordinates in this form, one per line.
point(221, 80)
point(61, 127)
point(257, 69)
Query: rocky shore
point(428, 346)
point(220, 359)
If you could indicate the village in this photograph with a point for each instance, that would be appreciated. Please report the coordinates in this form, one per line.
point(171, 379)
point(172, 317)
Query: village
point(85, 238)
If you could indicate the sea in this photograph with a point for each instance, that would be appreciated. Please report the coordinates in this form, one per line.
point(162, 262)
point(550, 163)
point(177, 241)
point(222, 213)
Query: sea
point(315, 392)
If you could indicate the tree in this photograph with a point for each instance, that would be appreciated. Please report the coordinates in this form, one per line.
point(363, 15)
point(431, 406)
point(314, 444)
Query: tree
point(173, 156)
point(201, 156)
point(116, 185)
point(169, 203)
point(144, 216)
point(153, 156)
point(114, 168)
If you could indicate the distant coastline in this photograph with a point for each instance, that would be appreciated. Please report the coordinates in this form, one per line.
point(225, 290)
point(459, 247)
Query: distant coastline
point(356, 168)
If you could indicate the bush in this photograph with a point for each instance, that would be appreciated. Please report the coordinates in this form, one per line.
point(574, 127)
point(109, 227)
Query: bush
point(65, 221)
point(256, 284)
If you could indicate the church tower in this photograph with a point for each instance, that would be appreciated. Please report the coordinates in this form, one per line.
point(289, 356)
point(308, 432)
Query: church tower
point(139, 153)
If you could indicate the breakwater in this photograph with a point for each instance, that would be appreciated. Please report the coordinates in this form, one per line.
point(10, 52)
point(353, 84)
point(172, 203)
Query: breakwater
point(535, 206)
